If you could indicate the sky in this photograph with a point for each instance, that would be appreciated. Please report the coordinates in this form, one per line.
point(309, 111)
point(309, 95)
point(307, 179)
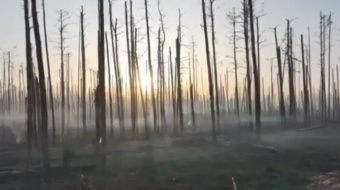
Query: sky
point(306, 12)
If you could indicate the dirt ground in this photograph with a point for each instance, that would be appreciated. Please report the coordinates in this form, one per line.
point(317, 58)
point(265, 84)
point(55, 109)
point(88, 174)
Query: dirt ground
point(280, 161)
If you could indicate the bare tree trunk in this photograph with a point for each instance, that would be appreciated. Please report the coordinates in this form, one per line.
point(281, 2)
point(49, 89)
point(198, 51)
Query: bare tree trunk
point(256, 78)
point(68, 92)
point(211, 83)
point(324, 69)
point(258, 54)
point(246, 41)
point(233, 20)
point(310, 75)
point(83, 59)
point(305, 88)
point(214, 59)
point(265, 103)
point(133, 127)
point(44, 115)
point(101, 139)
point(162, 74)
point(38, 110)
point(49, 74)
point(133, 73)
point(173, 91)
point(321, 71)
point(289, 57)
point(119, 80)
point(334, 93)
point(150, 66)
point(29, 75)
point(9, 82)
point(110, 92)
point(147, 133)
point(116, 67)
point(62, 85)
point(280, 76)
point(191, 86)
point(337, 94)
point(179, 84)
point(329, 65)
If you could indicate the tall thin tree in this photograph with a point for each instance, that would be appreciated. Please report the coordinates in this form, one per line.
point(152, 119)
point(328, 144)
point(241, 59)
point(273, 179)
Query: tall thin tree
point(211, 83)
point(42, 86)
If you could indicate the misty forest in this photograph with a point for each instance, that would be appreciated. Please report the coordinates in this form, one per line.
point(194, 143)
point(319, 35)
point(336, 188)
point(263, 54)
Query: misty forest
point(136, 104)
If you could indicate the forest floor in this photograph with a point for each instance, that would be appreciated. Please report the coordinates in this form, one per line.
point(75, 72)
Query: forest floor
point(280, 161)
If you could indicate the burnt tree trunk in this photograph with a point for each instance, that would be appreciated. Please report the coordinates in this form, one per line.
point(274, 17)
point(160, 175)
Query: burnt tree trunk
point(150, 66)
point(109, 79)
point(49, 74)
point(101, 100)
point(83, 60)
point(280, 76)
point(211, 83)
point(215, 64)
point(29, 75)
point(256, 77)
point(305, 88)
point(42, 86)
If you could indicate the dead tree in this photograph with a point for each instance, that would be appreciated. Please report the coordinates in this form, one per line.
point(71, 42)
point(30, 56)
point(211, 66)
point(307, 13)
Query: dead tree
point(68, 91)
point(29, 75)
point(49, 74)
point(233, 19)
point(194, 85)
point(83, 60)
point(147, 133)
point(109, 79)
point(310, 75)
point(258, 56)
point(191, 87)
point(133, 72)
point(173, 94)
point(334, 95)
point(246, 41)
point(322, 36)
point(256, 78)
point(120, 88)
point(9, 81)
point(162, 77)
point(272, 98)
point(150, 66)
point(38, 110)
point(337, 93)
point(329, 64)
point(289, 58)
point(101, 100)
point(178, 71)
point(305, 88)
point(133, 121)
point(214, 59)
point(4, 83)
point(113, 29)
point(211, 83)
point(265, 103)
point(42, 86)
point(280, 76)
point(63, 15)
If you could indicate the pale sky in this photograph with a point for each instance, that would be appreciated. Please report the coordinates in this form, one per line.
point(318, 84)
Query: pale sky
point(306, 11)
